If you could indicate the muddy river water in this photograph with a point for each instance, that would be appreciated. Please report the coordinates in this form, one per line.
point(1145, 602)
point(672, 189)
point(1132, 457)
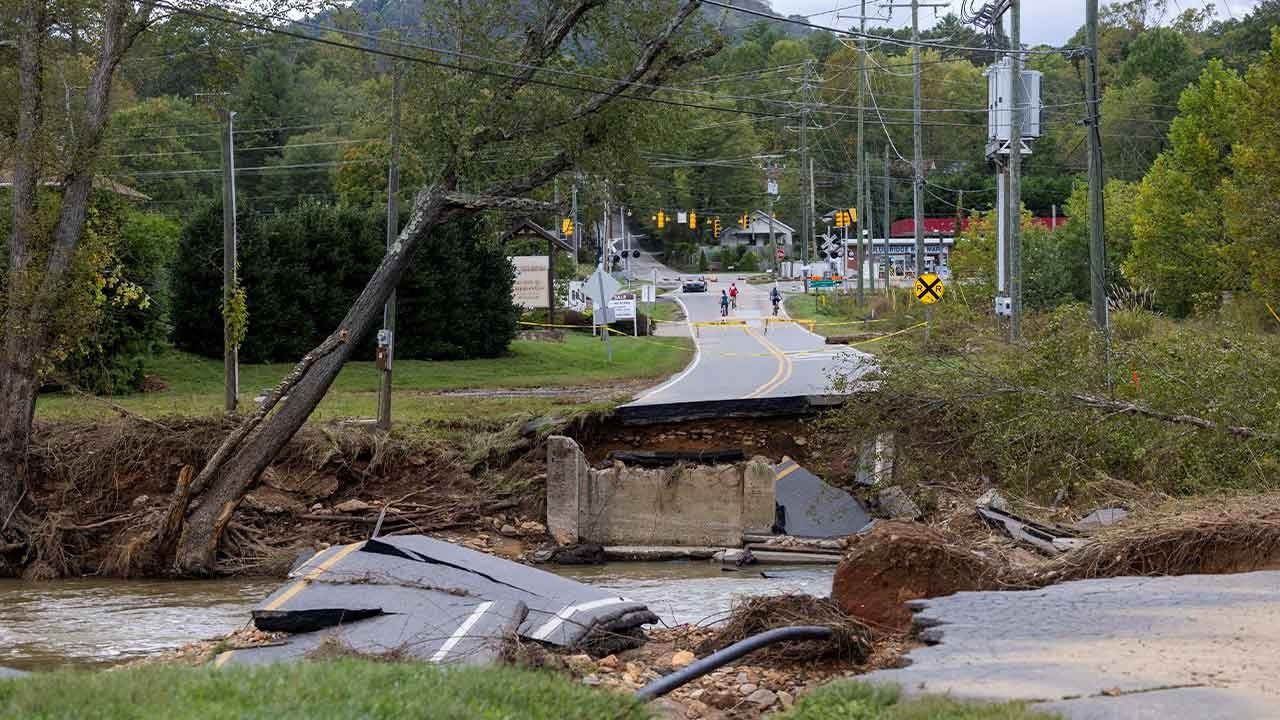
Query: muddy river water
point(93, 622)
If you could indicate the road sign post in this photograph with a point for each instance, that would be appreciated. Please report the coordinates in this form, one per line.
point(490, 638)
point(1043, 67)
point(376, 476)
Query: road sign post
point(928, 290)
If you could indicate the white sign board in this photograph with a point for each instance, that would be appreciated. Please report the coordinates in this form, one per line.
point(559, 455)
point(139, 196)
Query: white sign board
point(577, 300)
point(531, 289)
point(648, 293)
point(772, 186)
point(682, 218)
point(623, 307)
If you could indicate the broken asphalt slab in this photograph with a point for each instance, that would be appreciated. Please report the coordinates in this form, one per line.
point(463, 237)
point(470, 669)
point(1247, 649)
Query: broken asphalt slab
point(807, 507)
point(795, 405)
point(443, 629)
point(438, 581)
point(1098, 649)
point(1048, 540)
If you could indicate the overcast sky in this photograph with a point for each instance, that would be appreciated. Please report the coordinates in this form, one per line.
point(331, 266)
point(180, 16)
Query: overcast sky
point(1043, 21)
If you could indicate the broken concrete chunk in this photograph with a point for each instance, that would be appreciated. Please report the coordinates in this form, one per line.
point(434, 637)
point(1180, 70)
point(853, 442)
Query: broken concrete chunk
point(429, 582)
point(1101, 518)
point(1046, 539)
point(809, 507)
point(897, 505)
point(993, 499)
point(666, 458)
point(445, 629)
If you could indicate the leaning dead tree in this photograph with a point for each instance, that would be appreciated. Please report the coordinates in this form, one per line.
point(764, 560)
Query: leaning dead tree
point(202, 507)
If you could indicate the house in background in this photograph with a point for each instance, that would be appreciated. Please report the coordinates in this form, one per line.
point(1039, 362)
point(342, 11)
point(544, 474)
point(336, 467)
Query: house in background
point(756, 235)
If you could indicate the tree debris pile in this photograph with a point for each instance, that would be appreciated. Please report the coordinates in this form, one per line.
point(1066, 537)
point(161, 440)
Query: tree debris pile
point(1217, 536)
point(851, 641)
point(102, 490)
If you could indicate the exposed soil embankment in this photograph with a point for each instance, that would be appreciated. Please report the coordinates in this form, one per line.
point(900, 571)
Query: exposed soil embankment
point(95, 484)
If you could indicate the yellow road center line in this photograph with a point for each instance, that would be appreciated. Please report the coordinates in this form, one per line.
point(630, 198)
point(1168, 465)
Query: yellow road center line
point(315, 573)
point(785, 366)
point(794, 467)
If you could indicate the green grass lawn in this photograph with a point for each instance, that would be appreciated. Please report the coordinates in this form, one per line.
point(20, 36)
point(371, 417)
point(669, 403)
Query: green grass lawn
point(334, 690)
point(838, 315)
point(667, 312)
point(860, 701)
point(195, 383)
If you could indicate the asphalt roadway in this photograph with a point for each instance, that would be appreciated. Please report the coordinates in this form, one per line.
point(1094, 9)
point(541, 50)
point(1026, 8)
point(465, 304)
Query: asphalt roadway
point(1195, 647)
point(753, 355)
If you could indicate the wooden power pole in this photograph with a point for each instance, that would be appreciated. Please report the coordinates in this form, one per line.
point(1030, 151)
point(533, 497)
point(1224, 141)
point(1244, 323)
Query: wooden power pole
point(386, 339)
point(1097, 242)
point(230, 349)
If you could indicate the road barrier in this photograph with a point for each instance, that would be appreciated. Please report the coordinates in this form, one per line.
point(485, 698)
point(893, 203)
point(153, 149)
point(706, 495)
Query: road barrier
point(771, 320)
point(697, 326)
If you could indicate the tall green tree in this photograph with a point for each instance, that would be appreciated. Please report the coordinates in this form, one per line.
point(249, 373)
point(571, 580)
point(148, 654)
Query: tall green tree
point(1181, 243)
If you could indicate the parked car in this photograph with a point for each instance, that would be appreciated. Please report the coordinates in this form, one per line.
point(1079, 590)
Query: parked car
point(694, 285)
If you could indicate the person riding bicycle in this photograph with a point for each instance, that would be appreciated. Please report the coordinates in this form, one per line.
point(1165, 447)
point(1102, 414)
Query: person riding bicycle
point(733, 295)
point(775, 297)
point(724, 304)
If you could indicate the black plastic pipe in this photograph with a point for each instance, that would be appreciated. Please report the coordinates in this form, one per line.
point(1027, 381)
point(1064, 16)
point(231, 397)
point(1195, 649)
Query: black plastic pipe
point(698, 668)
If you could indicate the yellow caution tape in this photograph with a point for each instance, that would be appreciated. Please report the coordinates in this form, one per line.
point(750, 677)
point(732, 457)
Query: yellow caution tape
point(886, 337)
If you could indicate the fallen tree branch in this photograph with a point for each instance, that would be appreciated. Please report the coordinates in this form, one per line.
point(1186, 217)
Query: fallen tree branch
point(1128, 408)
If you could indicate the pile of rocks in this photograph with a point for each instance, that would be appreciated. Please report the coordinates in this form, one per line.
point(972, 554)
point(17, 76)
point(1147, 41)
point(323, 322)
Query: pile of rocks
point(732, 692)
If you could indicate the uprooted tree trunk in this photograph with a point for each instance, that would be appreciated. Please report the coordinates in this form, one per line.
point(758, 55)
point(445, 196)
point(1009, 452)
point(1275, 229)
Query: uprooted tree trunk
point(201, 509)
point(31, 291)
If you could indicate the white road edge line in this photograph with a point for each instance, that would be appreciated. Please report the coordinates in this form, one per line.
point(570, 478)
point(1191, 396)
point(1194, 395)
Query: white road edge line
point(461, 632)
point(697, 355)
point(567, 612)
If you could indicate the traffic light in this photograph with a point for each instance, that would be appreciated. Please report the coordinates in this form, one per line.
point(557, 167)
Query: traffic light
point(715, 227)
point(662, 219)
point(839, 218)
point(743, 221)
point(566, 227)
point(693, 220)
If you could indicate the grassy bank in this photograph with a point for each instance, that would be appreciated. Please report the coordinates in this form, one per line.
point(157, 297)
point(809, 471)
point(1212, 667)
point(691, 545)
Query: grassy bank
point(195, 383)
point(314, 691)
point(859, 701)
point(841, 315)
point(1065, 419)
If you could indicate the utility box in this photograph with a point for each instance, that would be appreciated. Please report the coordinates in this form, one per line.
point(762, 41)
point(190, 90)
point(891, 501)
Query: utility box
point(1004, 306)
point(1000, 101)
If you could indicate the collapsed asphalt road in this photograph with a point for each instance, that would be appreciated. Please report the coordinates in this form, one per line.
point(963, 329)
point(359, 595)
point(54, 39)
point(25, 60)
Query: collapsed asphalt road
point(1194, 647)
point(756, 356)
point(435, 601)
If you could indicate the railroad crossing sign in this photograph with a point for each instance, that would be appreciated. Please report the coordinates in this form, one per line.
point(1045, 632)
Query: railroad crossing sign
point(829, 244)
point(929, 288)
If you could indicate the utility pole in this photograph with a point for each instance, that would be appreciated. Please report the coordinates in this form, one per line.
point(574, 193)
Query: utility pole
point(917, 130)
point(865, 244)
point(917, 202)
point(577, 231)
point(1097, 242)
point(1015, 170)
point(386, 338)
point(230, 352)
point(864, 192)
point(886, 214)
